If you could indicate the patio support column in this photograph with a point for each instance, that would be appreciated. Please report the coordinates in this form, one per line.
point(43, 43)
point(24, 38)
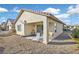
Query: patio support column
point(45, 31)
point(25, 27)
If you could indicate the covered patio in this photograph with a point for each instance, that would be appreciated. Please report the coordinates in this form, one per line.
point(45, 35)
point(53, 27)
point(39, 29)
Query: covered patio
point(40, 31)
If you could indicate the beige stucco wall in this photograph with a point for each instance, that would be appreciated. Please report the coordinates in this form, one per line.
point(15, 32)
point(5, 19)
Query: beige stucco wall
point(51, 25)
point(59, 28)
point(29, 18)
point(29, 28)
point(22, 29)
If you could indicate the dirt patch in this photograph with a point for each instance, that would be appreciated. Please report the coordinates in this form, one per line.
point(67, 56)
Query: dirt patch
point(19, 45)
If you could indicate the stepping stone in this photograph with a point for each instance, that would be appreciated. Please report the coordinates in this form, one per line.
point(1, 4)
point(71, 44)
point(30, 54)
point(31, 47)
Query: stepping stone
point(1, 50)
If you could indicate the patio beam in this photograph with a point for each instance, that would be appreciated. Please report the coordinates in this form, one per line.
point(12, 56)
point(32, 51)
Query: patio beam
point(45, 31)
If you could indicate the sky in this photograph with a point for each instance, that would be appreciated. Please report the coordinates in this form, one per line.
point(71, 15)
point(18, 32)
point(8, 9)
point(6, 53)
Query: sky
point(68, 13)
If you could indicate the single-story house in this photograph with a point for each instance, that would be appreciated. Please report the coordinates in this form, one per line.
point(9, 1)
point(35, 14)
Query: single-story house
point(40, 25)
point(10, 24)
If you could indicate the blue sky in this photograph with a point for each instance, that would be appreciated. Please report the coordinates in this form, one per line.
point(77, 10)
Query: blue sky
point(68, 13)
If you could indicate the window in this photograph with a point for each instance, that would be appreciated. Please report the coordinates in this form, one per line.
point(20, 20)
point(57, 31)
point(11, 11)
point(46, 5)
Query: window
point(19, 27)
point(55, 27)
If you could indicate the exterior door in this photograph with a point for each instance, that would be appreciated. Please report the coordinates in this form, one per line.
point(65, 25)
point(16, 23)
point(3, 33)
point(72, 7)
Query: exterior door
point(40, 29)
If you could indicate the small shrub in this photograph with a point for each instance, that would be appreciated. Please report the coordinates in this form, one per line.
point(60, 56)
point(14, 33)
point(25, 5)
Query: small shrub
point(75, 33)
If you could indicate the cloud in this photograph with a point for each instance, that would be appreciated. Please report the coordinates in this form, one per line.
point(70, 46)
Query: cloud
point(73, 9)
point(15, 9)
point(70, 7)
point(62, 16)
point(3, 9)
point(3, 19)
point(52, 10)
point(67, 21)
point(77, 17)
point(77, 23)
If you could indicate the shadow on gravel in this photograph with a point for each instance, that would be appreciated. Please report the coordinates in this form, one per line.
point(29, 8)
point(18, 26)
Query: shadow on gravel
point(1, 50)
point(62, 43)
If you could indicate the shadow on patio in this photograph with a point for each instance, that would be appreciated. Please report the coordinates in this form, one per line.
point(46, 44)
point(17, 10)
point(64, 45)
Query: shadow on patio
point(62, 43)
point(63, 39)
point(63, 36)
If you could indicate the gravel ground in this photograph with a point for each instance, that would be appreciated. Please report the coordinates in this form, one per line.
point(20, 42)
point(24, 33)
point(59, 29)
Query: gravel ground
point(5, 33)
point(19, 45)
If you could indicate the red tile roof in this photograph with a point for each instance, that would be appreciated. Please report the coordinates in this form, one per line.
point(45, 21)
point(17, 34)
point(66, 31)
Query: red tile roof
point(40, 13)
